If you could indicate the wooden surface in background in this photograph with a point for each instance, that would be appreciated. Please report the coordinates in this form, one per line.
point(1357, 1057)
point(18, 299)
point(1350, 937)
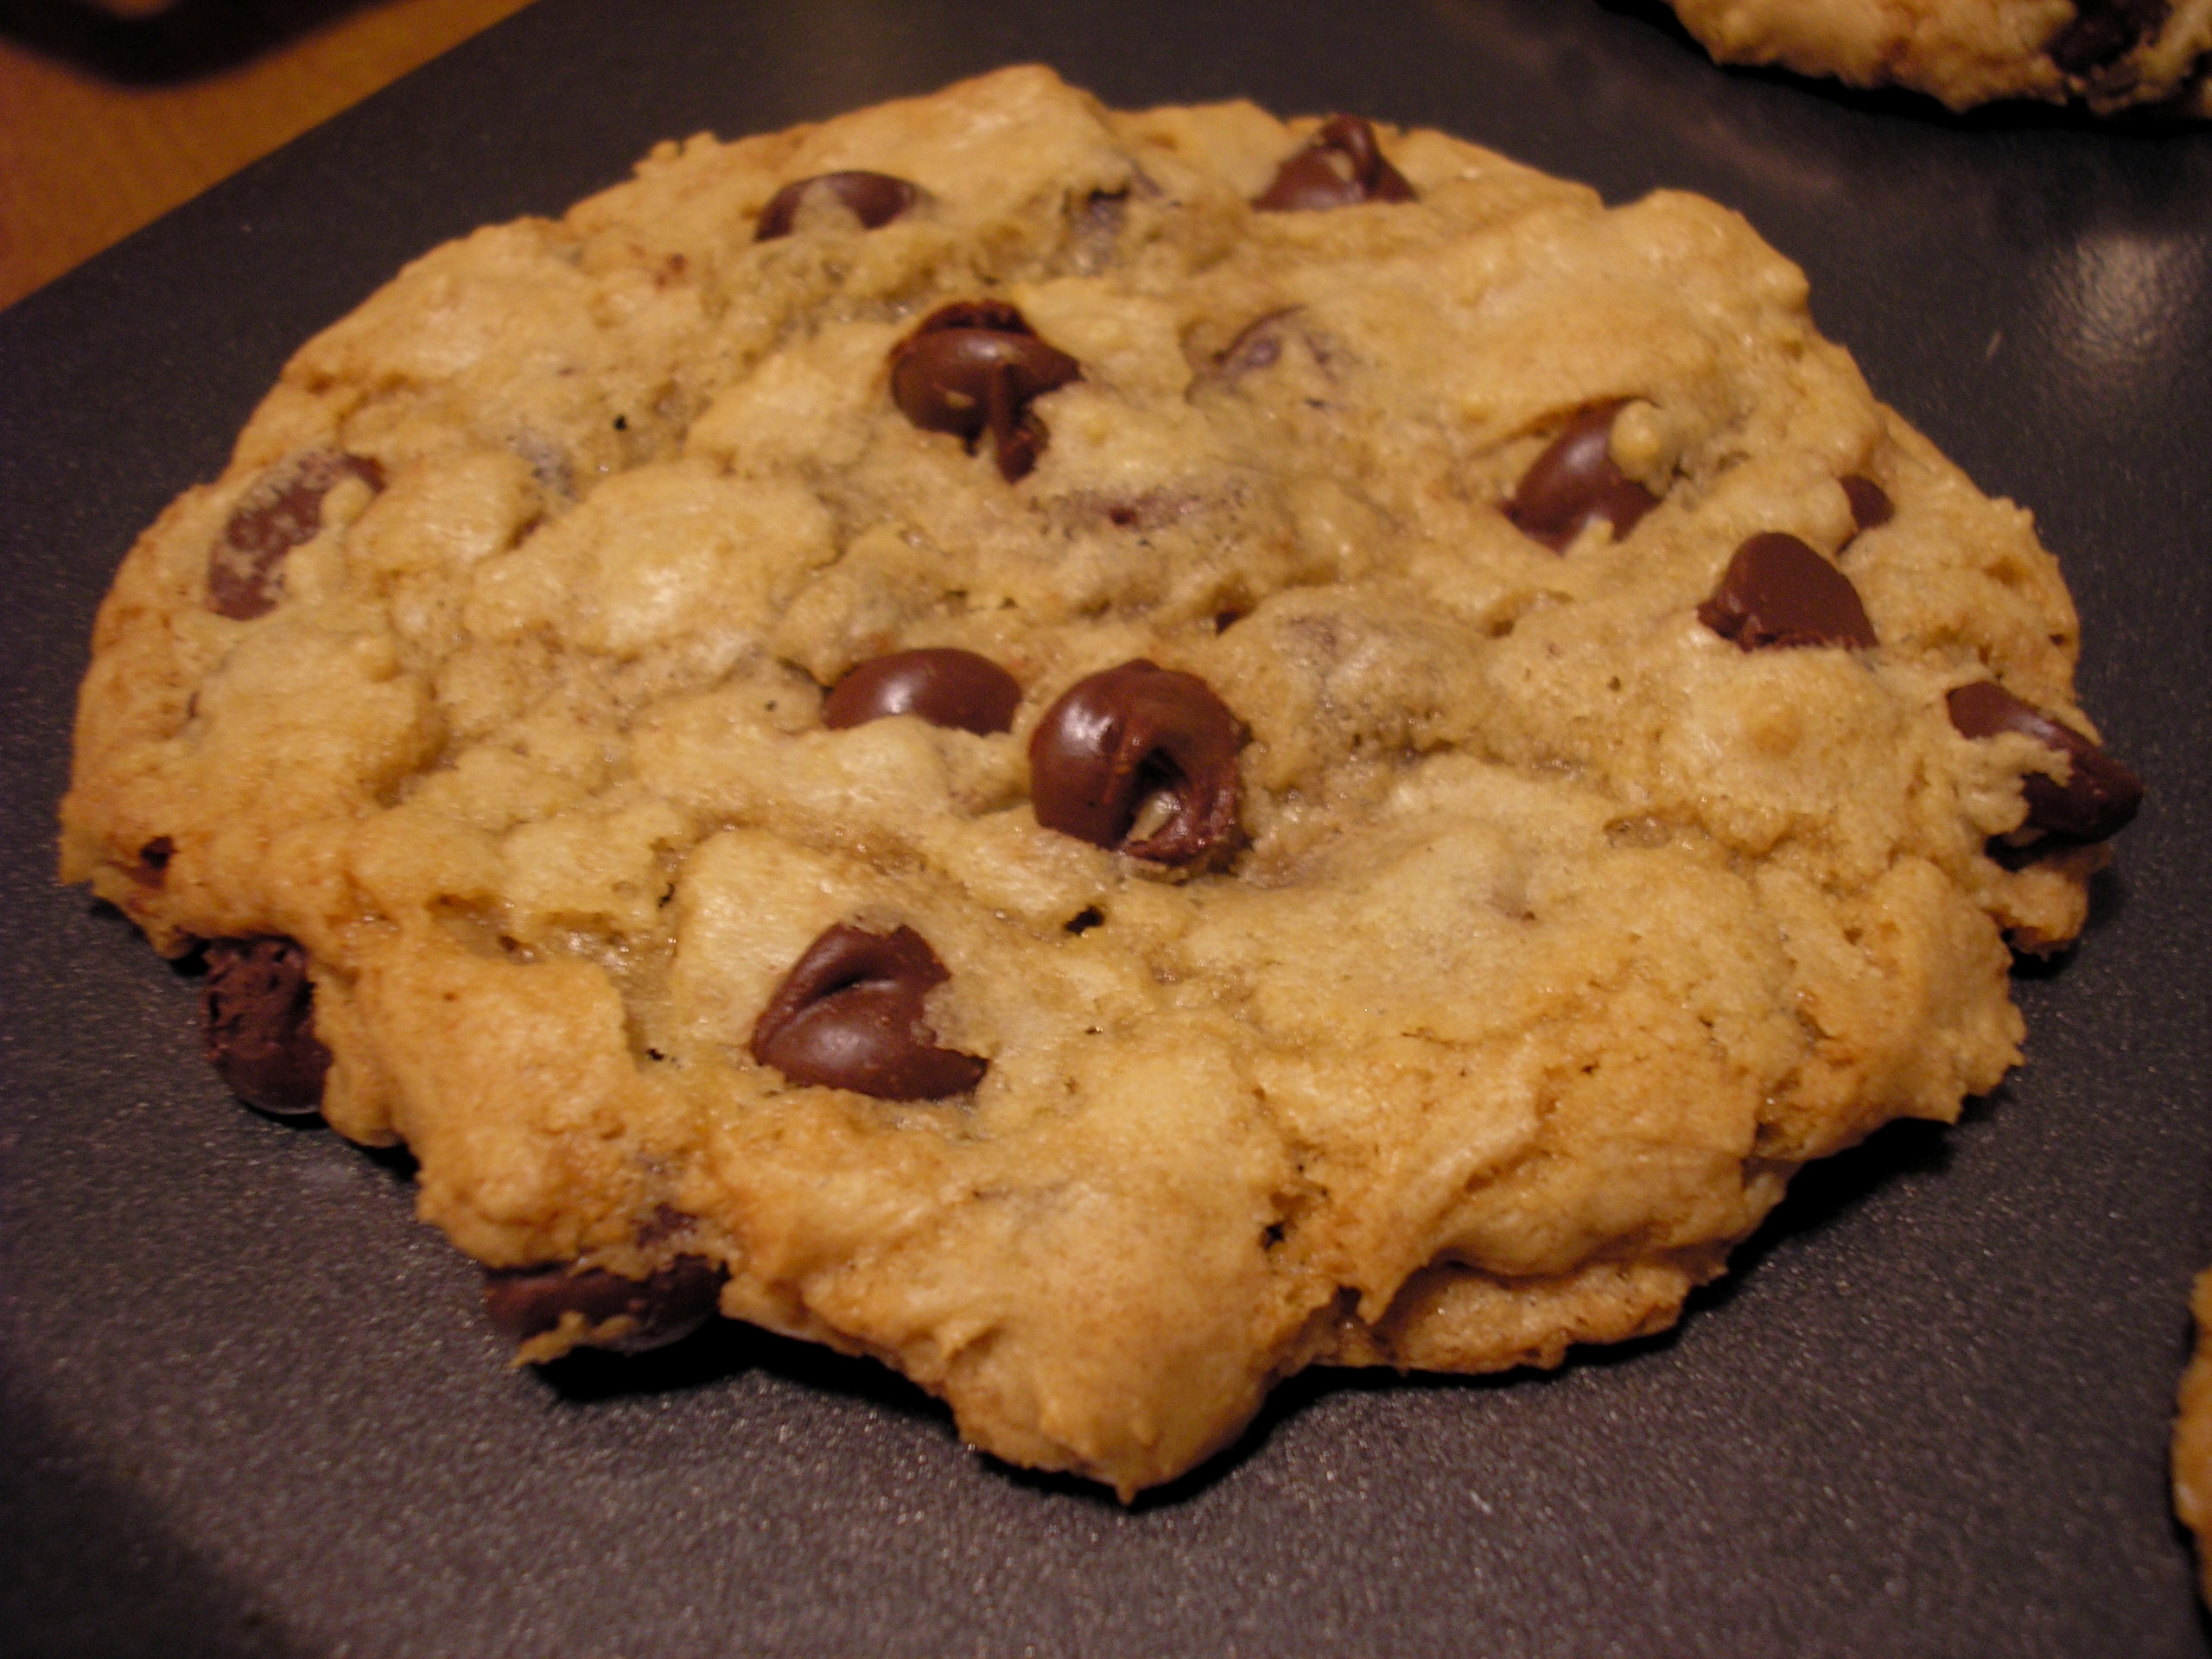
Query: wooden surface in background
point(88, 154)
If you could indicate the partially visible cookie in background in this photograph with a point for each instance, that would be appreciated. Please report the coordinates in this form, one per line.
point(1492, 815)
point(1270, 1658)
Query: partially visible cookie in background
point(2110, 54)
point(2193, 1434)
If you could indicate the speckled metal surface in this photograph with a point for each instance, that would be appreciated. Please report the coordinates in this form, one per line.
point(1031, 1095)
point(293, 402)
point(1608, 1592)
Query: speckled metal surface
point(249, 1406)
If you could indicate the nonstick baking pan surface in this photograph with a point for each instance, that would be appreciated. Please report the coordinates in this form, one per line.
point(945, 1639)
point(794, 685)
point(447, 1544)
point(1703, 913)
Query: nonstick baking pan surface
point(251, 1407)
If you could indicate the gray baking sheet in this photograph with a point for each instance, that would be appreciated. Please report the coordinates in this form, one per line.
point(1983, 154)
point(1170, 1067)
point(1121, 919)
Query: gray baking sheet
point(250, 1408)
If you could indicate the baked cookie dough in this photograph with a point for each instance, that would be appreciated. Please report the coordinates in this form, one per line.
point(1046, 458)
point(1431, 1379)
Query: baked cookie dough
point(2109, 54)
point(2192, 1453)
point(1101, 756)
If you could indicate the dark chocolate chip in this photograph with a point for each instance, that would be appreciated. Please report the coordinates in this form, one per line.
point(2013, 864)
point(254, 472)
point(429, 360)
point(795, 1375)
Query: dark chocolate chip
point(154, 861)
point(1871, 507)
point(1342, 165)
point(1777, 593)
point(874, 199)
point(278, 514)
point(1121, 738)
point(2103, 32)
point(670, 1304)
point(849, 1015)
point(1258, 346)
point(942, 686)
point(973, 367)
point(258, 1007)
point(2099, 796)
point(1575, 483)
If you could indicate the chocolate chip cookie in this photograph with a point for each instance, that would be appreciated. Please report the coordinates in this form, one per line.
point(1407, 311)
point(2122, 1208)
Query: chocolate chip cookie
point(2109, 54)
point(1100, 755)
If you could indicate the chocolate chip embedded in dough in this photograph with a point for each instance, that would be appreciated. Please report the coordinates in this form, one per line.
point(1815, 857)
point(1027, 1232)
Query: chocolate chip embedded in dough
point(2099, 796)
point(849, 1015)
point(2103, 32)
point(945, 687)
point(1342, 165)
point(284, 510)
point(973, 367)
point(258, 1007)
point(153, 865)
point(1777, 594)
point(1133, 737)
point(1575, 483)
point(1258, 346)
point(669, 1304)
point(1871, 506)
point(874, 199)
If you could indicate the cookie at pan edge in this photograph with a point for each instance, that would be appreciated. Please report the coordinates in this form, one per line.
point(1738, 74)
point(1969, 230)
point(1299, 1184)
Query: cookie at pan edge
point(1098, 754)
point(2192, 1445)
point(2111, 56)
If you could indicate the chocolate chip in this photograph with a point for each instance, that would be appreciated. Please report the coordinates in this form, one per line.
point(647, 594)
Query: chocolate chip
point(1575, 483)
point(849, 1015)
point(278, 514)
point(671, 1303)
point(2099, 796)
point(2103, 32)
point(154, 861)
point(874, 199)
point(973, 366)
point(1138, 737)
point(1777, 593)
point(1871, 507)
point(942, 686)
point(1342, 165)
point(1258, 346)
point(258, 1007)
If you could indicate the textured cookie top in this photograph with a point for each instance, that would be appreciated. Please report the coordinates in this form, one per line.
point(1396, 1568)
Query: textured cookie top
point(1459, 746)
point(2110, 54)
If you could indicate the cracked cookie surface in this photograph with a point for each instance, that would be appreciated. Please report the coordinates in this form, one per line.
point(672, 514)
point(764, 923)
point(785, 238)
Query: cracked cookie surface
point(1101, 756)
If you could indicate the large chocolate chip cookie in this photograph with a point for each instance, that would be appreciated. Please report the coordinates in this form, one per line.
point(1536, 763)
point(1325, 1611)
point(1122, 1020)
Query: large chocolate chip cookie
point(1102, 755)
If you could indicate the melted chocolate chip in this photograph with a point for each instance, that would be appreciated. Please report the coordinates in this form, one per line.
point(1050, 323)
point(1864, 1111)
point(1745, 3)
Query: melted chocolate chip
point(670, 1304)
point(973, 366)
point(1871, 507)
point(2103, 32)
point(1777, 594)
point(1258, 346)
point(849, 1015)
point(1575, 483)
point(1342, 165)
point(284, 510)
point(152, 868)
point(2099, 796)
point(259, 1008)
point(874, 199)
point(942, 686)
point(1135, 734)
